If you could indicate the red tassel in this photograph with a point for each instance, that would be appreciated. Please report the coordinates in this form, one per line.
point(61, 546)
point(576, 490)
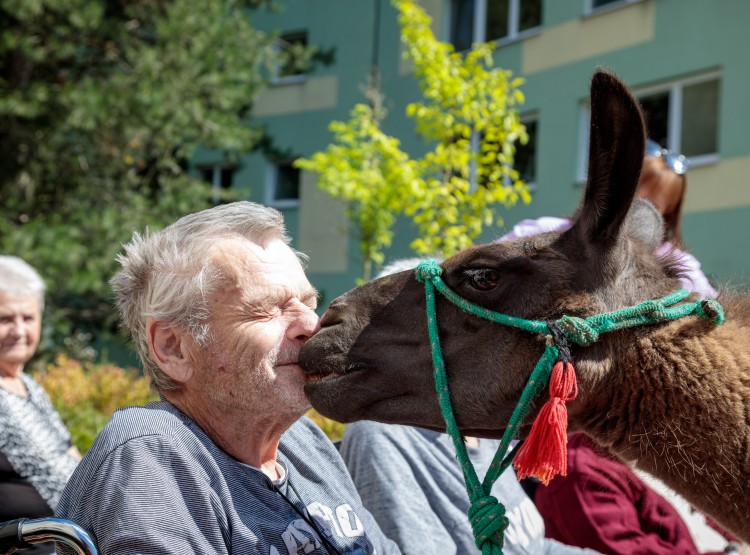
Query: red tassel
point(544, 454)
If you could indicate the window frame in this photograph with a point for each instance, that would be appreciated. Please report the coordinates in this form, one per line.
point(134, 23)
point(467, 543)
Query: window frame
point(589, 9)
point(525, 119)
point(674, 126)
point(480, 23)
point(674, 88)
point(216, 177)
point(272, 176)
point(279, 80)
point(506, 182)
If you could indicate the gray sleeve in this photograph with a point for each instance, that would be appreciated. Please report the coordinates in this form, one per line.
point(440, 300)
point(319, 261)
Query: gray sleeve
point(173, 510)
point(381, 470)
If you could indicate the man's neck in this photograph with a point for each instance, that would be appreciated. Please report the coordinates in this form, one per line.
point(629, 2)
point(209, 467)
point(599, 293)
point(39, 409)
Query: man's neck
point(249, 438)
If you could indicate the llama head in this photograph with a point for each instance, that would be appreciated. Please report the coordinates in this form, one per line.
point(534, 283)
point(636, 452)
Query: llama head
point(372, 360)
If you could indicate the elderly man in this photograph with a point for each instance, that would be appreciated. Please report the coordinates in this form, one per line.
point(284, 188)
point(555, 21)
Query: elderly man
point(218, 307)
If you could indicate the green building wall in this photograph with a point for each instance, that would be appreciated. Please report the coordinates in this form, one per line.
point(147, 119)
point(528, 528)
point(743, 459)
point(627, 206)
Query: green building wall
point(648, 43)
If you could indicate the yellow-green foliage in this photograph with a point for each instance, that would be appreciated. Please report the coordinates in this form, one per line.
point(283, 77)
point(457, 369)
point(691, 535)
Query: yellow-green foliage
point(465, 100)
point(334, 430)
point(87, 396)
point(469, 117)
point(366, 169)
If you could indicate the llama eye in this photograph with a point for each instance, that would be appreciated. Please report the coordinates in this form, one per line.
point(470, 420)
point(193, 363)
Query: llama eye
point(484, 279)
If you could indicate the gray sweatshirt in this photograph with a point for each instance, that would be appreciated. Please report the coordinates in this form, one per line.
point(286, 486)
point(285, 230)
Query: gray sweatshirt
point(411, 482)
point(154, 483)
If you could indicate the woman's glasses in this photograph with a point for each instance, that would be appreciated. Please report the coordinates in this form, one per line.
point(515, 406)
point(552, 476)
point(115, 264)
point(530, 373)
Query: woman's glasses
point(674, 161)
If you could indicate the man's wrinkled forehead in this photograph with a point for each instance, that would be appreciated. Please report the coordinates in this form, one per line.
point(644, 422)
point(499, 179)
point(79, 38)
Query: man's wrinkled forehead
point(241, 265)
point(245, 254)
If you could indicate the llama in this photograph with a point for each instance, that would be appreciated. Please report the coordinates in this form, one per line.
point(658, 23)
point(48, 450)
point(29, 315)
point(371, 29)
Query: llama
point(674, 398)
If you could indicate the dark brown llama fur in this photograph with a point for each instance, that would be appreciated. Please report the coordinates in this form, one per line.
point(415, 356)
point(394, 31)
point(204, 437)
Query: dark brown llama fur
point(674, 398)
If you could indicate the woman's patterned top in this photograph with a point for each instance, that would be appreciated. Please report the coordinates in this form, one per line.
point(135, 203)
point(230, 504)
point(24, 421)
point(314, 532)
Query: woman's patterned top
point(35, 440)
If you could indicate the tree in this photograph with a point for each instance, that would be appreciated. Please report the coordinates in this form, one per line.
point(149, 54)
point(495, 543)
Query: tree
point(468, 115)
point(366, 169)
point(101, 105)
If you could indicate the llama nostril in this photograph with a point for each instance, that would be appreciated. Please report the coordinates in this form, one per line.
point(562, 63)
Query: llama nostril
point(334, 314)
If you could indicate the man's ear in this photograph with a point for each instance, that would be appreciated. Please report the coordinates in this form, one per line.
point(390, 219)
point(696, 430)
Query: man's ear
point(169, 349)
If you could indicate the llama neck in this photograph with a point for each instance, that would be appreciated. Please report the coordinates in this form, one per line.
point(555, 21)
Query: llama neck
point(676, 400)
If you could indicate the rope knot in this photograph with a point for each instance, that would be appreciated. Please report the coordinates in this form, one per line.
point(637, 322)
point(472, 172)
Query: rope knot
point(427, 269)
point(488, 522)
point(655, 311)
point(578, 331)
point(711, 310)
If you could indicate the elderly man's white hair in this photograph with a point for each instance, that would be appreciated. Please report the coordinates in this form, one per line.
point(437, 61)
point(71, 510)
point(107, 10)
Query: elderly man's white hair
point(167, 275)
point(399, 265)
point(19, 279)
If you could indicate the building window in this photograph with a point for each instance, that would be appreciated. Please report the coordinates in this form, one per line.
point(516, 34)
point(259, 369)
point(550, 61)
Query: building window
point(525, 158)
point(282, 190)
point(219, 177)
point(294, 61)
point(682, 116)
point(492, 20)
point(685, 118)
point(595, 6)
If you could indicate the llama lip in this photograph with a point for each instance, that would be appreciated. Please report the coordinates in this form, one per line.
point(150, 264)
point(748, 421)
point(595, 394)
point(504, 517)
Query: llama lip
point(316, 375)
point(321, 377)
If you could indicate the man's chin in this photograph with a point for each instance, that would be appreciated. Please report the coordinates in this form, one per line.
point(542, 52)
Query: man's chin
point(294, 401)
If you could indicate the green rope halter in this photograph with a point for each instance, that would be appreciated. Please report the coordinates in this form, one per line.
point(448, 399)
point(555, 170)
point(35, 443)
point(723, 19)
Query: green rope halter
point(486, 514)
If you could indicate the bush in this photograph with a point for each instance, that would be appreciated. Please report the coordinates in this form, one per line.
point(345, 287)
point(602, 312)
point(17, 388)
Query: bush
point(86, 395)
point(334, 430)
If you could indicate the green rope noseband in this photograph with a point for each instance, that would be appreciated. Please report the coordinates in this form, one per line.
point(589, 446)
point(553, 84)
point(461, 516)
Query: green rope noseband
point(486, 514)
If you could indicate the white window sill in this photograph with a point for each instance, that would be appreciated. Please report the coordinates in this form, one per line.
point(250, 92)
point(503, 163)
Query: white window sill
point(288, 80)
point(288, 203)
point(528, 33)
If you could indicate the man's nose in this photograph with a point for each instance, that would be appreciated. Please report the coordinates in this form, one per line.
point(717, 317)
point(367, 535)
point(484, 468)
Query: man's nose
point(306, 325)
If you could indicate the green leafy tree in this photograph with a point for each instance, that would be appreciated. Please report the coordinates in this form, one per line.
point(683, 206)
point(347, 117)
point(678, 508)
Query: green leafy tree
point(101, 105)
point(468, 115)
point(366, 169)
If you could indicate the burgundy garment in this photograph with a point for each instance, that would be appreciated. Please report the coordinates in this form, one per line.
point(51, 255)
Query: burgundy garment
point(601, 504)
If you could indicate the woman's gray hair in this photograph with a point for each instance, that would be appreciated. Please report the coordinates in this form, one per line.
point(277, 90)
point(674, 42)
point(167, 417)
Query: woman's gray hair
point(17, 278)
point(167, 275)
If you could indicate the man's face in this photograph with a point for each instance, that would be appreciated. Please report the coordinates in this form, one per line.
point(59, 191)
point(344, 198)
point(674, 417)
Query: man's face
point(20, 328)
point(261, 315)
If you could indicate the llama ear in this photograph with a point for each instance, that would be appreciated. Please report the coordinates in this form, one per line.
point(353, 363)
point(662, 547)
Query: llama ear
point(645, 223)
point(616, 151)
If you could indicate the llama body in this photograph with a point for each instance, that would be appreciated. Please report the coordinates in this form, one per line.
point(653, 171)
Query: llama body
point(676, 402)
point(674, 398)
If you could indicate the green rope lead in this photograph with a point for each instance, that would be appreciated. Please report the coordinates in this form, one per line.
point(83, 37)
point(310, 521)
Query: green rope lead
point(486, 514)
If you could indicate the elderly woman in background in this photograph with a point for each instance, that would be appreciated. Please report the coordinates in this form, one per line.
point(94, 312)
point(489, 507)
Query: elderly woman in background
point(36, 456)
